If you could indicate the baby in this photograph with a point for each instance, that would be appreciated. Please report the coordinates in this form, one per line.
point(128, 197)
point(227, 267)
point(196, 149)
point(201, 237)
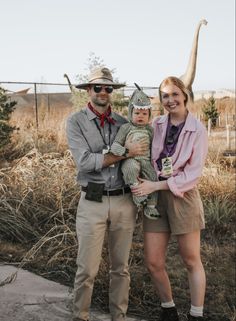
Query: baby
point(139, 112)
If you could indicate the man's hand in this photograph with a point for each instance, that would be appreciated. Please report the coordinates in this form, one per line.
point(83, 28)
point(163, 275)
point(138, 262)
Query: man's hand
point(137, 148)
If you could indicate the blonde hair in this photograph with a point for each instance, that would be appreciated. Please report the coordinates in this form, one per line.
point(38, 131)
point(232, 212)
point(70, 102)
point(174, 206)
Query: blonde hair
point(176, 82)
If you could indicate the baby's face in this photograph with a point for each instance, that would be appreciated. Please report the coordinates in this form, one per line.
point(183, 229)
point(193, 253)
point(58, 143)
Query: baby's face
point(140, 116)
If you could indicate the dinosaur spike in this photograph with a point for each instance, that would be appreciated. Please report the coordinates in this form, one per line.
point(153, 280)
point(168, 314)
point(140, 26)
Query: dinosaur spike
point(68, 79)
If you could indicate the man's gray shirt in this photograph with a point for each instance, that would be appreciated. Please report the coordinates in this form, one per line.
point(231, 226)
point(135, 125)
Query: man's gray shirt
point(87, 143)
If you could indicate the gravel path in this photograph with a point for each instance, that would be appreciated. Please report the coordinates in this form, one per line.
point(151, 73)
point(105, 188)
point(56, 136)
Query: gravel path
point(32, 298)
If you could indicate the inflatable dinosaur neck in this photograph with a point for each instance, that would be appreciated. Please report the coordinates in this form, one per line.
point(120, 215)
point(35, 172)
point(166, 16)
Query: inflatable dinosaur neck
point(188, 77)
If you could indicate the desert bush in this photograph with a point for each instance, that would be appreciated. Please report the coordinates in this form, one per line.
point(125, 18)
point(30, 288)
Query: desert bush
point(38, 204)
point(39, 192)
point(48, 137)
point(6, 108)
point(210, 111)
point(217, 188)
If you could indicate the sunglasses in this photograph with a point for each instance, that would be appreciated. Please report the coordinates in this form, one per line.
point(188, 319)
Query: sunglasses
point(98, 88)
point(171, 135)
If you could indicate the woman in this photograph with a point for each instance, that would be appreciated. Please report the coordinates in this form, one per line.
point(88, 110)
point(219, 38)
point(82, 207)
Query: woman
point(179, 151)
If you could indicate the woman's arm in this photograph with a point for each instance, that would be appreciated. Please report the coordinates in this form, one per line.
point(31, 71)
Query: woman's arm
point(187, 177)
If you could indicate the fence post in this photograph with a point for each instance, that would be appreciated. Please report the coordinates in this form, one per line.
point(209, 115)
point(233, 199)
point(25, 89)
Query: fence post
point(48, 105)
point(36, 105)
point(228, 137)
point(227, 119)
point(209, 127)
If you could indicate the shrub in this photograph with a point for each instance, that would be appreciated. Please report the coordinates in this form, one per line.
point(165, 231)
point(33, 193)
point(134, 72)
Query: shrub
point(210, 111)
point(6, 108)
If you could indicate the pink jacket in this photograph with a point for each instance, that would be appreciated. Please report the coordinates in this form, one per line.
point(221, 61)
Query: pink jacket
point(189, 157)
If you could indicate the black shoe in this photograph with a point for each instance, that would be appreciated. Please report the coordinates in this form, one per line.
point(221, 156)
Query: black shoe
point(169, 314)
point(192, 318)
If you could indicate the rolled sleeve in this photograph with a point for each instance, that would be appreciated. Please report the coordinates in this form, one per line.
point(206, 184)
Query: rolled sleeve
point(86, 161)
point(117, 149)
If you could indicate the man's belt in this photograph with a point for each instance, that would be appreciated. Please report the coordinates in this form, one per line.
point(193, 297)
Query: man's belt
point(115, 192)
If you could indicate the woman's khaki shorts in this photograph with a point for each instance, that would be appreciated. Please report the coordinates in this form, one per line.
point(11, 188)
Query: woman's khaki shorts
point(178, 215)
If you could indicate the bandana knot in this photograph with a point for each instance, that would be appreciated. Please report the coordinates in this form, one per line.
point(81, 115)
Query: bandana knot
point(104, 116)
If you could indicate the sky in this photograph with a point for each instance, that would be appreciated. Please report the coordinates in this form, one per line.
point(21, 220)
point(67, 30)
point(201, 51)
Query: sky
point(143, 40)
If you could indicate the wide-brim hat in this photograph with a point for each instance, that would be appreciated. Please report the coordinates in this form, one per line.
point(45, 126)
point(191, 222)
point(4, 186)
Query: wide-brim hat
point(100, 76)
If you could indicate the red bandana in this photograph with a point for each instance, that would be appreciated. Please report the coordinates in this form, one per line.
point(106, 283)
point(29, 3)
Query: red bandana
point(103, 116)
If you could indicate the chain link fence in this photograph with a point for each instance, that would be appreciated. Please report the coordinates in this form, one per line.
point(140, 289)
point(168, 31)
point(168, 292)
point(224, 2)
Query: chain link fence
point(42, 100)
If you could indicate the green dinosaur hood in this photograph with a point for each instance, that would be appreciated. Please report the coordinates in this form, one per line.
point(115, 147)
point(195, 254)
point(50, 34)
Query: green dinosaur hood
point(138, 100)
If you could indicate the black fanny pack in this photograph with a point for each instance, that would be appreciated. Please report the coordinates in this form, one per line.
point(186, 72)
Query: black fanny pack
point(94, 192)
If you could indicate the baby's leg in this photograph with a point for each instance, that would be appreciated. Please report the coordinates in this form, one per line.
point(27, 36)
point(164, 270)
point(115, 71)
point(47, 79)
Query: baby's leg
point(149, 173)
point(150, 209)
point(131, 169)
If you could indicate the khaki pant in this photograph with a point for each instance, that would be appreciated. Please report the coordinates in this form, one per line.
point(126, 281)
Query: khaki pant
point(117, 215)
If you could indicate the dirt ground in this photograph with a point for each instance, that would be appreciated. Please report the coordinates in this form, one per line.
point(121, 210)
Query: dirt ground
point(32, 298)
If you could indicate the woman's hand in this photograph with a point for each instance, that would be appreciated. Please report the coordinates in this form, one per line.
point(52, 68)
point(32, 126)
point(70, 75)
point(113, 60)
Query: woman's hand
point(147, 187)
point(144, 188)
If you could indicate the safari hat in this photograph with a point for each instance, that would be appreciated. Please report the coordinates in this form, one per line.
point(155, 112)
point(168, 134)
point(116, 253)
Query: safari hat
point(138, 100)
point(100, 76)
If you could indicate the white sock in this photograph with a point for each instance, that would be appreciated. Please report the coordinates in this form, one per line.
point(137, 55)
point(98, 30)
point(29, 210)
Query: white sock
point(168, 304)
point(196, 311)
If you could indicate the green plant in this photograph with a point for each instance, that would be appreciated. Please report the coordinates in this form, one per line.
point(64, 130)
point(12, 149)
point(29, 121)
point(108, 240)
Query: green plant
point(6, 108)
point(120, 103)
point(210, 111)
point(219, 210)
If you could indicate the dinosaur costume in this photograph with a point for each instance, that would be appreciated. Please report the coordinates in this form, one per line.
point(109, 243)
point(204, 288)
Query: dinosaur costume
point(139, 166)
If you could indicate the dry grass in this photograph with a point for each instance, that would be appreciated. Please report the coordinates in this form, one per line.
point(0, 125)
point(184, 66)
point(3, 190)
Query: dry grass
point(38, 200)
point(225, 106)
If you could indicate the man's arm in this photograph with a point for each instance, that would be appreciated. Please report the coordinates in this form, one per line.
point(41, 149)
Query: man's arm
point(85, 160)
point(133, 149)
point(110, 159)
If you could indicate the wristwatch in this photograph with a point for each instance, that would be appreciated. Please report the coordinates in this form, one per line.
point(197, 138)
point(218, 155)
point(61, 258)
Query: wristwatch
point(126, 152)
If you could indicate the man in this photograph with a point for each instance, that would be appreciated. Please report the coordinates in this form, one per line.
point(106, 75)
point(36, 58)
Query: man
point(105, 203)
